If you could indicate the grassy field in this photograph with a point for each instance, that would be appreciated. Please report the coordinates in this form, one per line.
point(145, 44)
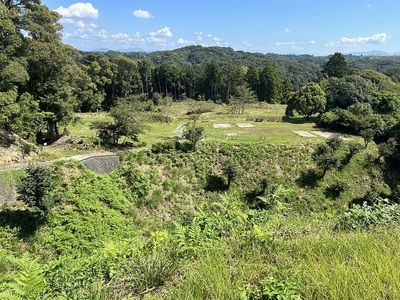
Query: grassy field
point(273, 128)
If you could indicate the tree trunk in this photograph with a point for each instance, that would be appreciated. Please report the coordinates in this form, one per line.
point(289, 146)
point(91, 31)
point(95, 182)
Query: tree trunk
point(52, 130)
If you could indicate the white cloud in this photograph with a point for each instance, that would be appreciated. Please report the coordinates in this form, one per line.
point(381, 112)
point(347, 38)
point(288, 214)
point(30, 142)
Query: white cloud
point(378, 38)
point(184, 42)
point(67, 21)
point(164, 32)
point(311, 43)
point(284, 43)
point(246, 43)
point(144, 14)
point(215, 39)
point(286, 30)
point(79, 10)
point(209, 35)
point(199, 38)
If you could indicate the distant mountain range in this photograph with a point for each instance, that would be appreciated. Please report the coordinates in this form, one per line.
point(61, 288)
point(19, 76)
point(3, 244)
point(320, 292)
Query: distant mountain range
point(361, 53)
point(373, 53)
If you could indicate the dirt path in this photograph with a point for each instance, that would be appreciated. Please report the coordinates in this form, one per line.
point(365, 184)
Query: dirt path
point(179, 131)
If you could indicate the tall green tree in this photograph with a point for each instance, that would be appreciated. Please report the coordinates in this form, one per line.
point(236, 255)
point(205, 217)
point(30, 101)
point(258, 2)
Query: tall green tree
point(270, 85)
point(345, 91)
point(193, 133)
point(48, 67)
point(102, 73)
point(232, 78)
point(127, 80)
point(13, 74)
point(213, 81)
point(336, 66)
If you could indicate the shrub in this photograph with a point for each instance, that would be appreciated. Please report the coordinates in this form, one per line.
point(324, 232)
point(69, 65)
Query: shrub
point(34, 189)
point(163, 147)
point(364, 216)
point(270, 289)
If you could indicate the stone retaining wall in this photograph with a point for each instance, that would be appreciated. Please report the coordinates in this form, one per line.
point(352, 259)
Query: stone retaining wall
point(103, 164)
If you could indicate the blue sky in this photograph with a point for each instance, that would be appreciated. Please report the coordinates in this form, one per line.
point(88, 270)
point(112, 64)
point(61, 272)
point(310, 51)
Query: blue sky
point(317, 27)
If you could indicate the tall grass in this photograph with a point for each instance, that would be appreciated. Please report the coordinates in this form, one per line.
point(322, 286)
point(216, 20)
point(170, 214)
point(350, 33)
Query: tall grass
point(351, 265)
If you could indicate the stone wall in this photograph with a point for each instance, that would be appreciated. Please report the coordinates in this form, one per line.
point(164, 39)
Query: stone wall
point(102, 164)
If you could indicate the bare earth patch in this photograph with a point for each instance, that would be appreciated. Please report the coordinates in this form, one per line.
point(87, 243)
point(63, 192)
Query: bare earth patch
point(232, 134)
point(222, 125)
point(245, 125)
point(304, 134)
point(323, 133)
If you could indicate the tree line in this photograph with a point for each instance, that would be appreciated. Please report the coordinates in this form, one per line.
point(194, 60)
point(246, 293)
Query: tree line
point(43, 81)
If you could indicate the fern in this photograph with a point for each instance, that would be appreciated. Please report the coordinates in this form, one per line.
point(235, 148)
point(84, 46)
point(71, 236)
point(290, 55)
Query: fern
point(26, 283)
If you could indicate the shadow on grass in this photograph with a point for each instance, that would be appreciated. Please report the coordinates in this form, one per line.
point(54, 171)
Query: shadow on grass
point(309, 178)
point(24, 221)
point(6, 140)
point(215, 184)
point(299, 120)
point(252, 197)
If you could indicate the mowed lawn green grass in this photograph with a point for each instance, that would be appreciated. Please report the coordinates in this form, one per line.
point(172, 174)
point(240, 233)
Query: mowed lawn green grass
point(273, 128)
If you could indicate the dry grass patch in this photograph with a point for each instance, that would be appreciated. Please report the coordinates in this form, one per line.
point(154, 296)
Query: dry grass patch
point(222, 125)
point(303, 133)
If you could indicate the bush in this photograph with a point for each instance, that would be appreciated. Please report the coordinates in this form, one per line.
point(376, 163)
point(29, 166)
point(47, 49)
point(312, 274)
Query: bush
point(270, 289)
point(34, 189)
point(163, 147)
point(364, 216)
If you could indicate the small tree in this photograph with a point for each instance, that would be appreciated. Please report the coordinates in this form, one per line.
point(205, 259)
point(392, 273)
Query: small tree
point(308, 100)
point(194, 133)
point(387, 148)
point(230, 170)
point(126, 123)
point(325, 156)
point(244, 96)
point(34, 189)
point(368, 136)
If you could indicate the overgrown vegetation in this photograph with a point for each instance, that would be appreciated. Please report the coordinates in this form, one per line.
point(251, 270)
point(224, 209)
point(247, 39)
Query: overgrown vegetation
point(223, 222)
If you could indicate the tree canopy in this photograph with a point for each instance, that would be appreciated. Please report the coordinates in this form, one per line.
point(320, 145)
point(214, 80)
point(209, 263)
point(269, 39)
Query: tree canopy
point(307, 101)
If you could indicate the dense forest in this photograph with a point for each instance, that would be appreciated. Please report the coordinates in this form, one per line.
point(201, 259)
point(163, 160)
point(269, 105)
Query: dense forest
point(255, 212)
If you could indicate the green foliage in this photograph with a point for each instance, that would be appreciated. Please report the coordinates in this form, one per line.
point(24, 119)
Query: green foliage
point(240, 101)
point(307, 101)
point(381, 213)
point(35, 188)
point(193, 133)
point(26, 280)
point(326, 155)
point(271, 289)
point(343, 92)
point(230, 169)
point(163, 147)
point(387, 149)
point(336, 66)
point(126, 123)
